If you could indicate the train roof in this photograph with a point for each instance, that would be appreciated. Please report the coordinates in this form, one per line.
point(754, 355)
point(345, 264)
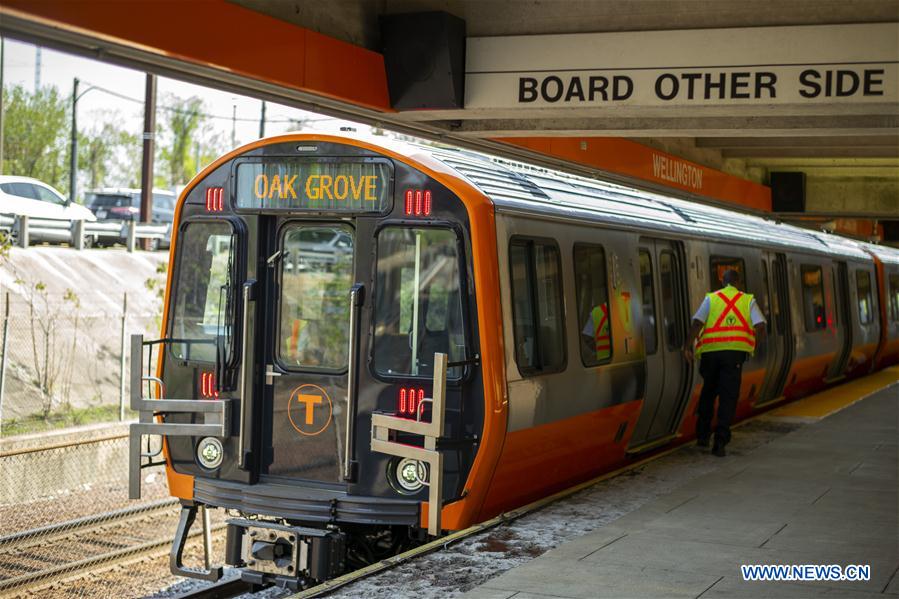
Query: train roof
point(541, 192)
point(518, 187)
point(884, 253)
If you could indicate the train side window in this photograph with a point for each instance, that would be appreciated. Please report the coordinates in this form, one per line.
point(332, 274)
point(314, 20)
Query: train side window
point(813, 298)
point(836, 290)
point(865, 301)
point(718, 265)
point(668, 286)
point(647, 295)
point(894, 298)
point(538, 323)
point(203, 297)
point(591, 286)
point(780, 286)
point(764, 301)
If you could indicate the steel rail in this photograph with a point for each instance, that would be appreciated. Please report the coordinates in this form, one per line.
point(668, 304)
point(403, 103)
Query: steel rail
point(84, 566)
point(223, 589)
point(87, 523)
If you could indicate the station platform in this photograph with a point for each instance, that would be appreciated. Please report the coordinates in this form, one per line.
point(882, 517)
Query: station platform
point(825, 494)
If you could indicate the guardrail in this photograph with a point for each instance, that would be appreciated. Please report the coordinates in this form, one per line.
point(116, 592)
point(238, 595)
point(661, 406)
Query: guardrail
point(80, 234)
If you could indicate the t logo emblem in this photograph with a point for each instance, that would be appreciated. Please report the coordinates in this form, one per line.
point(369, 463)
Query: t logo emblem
point(309, 410)
point(311, 401)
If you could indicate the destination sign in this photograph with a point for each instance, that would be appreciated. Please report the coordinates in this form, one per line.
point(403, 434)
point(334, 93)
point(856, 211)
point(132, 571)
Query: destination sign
point(315, 185)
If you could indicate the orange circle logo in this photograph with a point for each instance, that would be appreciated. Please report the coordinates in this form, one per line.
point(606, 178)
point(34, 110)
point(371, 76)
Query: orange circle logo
point(309, 410)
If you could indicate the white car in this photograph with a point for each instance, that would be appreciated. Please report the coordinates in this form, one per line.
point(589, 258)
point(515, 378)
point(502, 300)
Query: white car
point(24, 196)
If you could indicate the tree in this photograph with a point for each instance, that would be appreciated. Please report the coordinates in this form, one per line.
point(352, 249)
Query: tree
point(35, 135)
point(98, 153)
point(187, 141)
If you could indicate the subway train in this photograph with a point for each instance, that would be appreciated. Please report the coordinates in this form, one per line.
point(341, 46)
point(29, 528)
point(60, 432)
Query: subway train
point(366, 343)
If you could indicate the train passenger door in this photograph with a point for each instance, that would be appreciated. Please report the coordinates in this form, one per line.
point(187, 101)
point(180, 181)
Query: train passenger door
point(665, 321)
point(780, 333)
point(842, 320)
point(310, 270)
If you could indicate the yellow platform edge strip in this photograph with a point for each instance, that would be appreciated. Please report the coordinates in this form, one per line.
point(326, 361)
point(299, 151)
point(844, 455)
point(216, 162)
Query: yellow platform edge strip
point(832, 400)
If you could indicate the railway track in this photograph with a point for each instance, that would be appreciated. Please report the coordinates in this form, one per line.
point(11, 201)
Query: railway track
point(36, 558)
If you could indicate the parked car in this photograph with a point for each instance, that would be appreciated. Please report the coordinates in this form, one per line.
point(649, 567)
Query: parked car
point(123, 205)
point(24, 196)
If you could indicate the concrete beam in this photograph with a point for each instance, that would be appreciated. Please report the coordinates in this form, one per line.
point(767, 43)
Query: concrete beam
point(355, 21)
point(813, 152)
point(885, 139)
point(679, 126)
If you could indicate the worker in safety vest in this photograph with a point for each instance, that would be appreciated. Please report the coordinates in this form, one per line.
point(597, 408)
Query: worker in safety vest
point(728, 326)
point(597, 329)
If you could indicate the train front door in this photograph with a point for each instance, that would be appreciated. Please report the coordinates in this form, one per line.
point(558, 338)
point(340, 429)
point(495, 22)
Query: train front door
point(311, 308)
point(665, 322)
point(776, 308)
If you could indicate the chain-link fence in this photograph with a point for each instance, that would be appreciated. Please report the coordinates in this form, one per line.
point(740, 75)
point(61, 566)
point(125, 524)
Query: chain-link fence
point(64, 358)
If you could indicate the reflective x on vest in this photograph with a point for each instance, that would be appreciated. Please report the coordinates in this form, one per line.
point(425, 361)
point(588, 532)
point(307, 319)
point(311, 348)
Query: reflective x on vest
point(730, 329)
point(601, 331)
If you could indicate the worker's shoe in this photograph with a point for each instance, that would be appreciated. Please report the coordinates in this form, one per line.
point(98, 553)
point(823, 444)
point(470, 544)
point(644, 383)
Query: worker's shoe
point(702, 441)
point(718, 449)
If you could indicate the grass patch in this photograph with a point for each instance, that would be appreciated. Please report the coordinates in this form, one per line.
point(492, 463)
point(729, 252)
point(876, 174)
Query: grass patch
point(65, 417)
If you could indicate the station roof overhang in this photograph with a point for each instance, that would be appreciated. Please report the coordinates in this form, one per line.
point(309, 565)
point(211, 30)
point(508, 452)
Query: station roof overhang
point(328, 58)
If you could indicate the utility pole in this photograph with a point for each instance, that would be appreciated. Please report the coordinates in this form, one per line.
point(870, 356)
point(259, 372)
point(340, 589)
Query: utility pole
point(234, 125)
point(146, 175)
point(2, 45)
point(73, 148)
point(37, 68)
point(262, 121)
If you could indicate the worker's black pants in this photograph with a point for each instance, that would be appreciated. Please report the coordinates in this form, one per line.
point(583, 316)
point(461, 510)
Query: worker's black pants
point(721, 373)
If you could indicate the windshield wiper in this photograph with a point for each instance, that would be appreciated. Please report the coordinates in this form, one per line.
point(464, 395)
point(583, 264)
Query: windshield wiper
point(274, 259)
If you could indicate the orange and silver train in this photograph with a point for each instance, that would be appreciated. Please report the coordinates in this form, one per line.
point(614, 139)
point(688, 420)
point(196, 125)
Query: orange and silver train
point(318, 283)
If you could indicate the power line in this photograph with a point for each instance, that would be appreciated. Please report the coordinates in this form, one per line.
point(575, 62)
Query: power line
point(203, 114)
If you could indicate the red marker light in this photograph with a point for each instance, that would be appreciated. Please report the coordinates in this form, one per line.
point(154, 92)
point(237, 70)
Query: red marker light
point(215, 199)
point(409, 401)
point(207, 385)
point(417, 202)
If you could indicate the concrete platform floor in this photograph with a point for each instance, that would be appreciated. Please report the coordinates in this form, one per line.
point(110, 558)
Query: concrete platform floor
point(825, 494)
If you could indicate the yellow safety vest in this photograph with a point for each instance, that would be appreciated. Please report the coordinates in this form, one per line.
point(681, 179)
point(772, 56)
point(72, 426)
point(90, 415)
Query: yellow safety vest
point(601, 339)
point(728, 324)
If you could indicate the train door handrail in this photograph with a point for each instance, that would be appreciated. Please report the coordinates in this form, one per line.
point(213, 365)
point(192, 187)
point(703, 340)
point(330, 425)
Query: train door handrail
point(216, 416)
point(383, 424)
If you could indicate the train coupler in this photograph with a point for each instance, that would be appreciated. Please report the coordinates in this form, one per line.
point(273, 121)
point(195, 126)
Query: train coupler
point(292, 557)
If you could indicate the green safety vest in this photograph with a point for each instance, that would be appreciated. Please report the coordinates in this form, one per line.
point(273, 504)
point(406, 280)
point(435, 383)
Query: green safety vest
point(601, 339)
point(728, 324)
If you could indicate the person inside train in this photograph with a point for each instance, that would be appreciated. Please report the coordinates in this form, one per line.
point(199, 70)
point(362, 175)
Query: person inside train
point(596, 332)
point(726, 329)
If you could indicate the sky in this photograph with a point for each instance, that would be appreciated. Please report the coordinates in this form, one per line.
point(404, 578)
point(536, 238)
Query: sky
point(59, 69)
